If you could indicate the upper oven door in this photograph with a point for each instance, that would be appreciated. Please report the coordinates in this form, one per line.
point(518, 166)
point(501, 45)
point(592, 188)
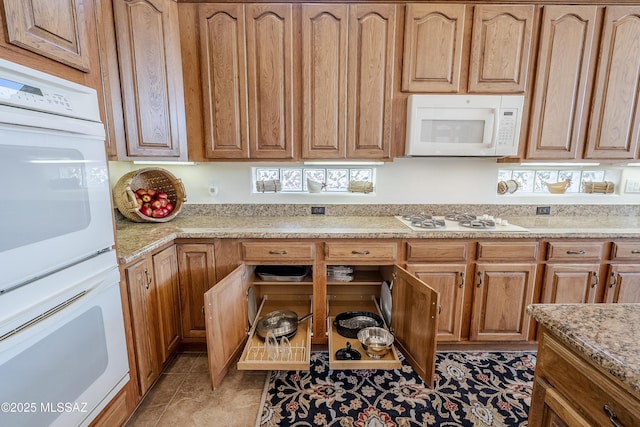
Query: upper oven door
point(55, 207)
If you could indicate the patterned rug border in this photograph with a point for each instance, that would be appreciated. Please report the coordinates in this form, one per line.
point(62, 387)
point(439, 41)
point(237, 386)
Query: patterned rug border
point(267, 382)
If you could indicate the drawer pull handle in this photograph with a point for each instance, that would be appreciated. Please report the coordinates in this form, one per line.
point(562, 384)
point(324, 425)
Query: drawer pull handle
point(580, 252)
point(612, 416)
point(365, 252)
point(613, 280)
point(277, 252)
point(596, 280)
point(461, 279)
point(635, 251)
point(479, 279)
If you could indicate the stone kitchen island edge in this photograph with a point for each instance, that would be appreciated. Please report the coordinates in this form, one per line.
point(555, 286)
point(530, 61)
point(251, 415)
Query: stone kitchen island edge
point(588, 364)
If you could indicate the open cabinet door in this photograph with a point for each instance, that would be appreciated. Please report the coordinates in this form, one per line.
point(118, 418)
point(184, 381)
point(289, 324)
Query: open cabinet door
point(414, 322)
point(225, 311)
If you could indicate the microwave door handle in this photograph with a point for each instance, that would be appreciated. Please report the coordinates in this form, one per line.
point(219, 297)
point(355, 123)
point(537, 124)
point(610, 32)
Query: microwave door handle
point(496, 125)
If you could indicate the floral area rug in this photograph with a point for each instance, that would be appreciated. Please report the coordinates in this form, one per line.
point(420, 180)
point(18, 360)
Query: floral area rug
point(477, 389)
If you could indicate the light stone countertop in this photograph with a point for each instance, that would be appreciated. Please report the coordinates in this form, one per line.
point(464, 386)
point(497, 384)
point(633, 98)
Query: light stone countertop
point(607, 334)
point(136, 239)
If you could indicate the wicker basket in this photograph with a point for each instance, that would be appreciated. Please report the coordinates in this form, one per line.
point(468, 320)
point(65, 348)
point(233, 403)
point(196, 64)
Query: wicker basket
point(156, 178)
point(598, 187)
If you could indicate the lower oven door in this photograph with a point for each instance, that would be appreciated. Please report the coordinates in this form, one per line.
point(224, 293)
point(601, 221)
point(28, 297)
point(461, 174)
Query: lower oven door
point(63, 368)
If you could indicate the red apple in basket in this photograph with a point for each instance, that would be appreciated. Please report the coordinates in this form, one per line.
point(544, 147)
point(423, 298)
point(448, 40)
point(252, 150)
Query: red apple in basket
point(145, 210)
point(156, 204)
point(151, 192)
point(169, 207)
point(161, 195)
point(141, 191)
point(146, 198)
point(163, 202)
point(159, 213)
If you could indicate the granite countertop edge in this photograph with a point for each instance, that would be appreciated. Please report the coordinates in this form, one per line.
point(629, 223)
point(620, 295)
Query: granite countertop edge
point(585, 337)
point(136, 239)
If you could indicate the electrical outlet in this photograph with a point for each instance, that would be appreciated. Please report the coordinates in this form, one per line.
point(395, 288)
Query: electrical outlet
point(317, 210)
point(543, 210)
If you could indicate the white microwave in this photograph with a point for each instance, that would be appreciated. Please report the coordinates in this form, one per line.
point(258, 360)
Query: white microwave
point(463, 125)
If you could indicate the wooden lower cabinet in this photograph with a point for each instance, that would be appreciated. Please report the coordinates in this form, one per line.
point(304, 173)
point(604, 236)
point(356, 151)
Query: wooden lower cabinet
point(623, 279)
point(152, 290)
point(501, 295)
point(623, 285)
point(573, 272)
point(142, 305)
point(569, 391)
point(231, 328)
point(165, 269)
point(570, 283)
point(449, 281)
point(196, 267)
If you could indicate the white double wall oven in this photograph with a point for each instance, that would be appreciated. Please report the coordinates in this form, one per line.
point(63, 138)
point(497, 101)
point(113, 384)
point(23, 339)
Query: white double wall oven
point(62, 341)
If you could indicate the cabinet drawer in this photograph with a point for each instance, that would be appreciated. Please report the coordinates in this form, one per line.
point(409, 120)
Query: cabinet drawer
point(440, 251)
point(365, 251)
point(584, 385)
point(522, 251)
point(625, 251)
point(574, 251)
point(277, 251)
point(255, 356)
point(337, 341)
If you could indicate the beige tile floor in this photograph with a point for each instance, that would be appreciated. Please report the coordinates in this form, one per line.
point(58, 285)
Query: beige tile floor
point(182, 397)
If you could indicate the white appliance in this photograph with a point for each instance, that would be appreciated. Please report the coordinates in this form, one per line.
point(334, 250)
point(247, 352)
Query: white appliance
point(62, 342)
point(463, 125)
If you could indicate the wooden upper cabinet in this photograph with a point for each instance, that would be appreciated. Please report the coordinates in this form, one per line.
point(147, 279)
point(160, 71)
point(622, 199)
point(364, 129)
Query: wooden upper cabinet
point(148, 43)
point(270, 80)
point(31, 25)
point(433, 40)
point(372, 30)
point(437, 57)
point(562, 82)
point(614, 127)
point(324, 81)
point(224, 80)
point(347, 80)
point(500, 48)
point(247, 80)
